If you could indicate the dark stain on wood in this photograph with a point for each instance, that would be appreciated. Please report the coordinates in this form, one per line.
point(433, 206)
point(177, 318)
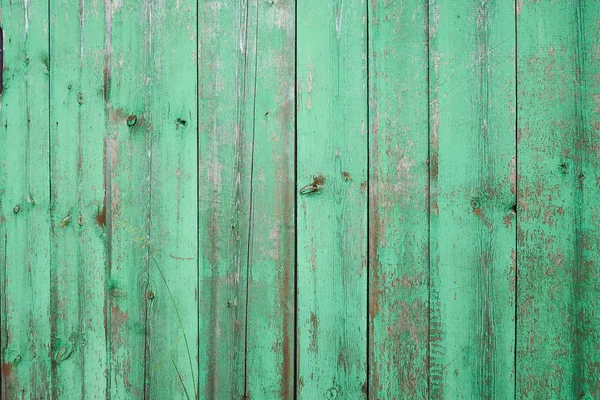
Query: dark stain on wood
point(101, 216)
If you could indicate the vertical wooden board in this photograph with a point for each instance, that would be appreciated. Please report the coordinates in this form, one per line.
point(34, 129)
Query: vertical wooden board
point(226, 108)
point(172, 319)
point(77, 130)
point(270, 315)
point(398, 200)
point(127, 146)
point(332, 199)
point(587, 272)
point(24, 202)
point(472, 146)
point(558, 351)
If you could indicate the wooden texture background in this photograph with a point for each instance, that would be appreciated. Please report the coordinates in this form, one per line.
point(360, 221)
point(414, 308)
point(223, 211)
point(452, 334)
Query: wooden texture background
point(279, 199)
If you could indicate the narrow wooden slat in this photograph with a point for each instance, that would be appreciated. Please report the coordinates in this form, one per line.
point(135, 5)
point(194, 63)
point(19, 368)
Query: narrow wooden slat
point(171, 115)
point(77, 127)
point(558, 208)
point(270, 315)
point(332, 199)
point(128, 151)
point(227, 43)
point(586, 299)
point(472, 145)
point(399, 200)
point(25, 202)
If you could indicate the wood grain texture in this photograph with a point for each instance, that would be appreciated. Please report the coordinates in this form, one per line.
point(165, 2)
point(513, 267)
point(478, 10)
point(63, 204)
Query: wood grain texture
point(332, 199)
point(227, 76)
point(25, 327)
point(150, 85)
point(472, 146)
point(171, 116)
point(77, 130)
point(275, 199)
point(271, 258)
point(558, 351)
point(126, 62)
point(398, 200)
point(246, 105)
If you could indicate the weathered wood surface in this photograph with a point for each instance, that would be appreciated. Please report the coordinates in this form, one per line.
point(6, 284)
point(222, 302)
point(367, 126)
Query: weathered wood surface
point(332, 199)
point(398, 200)
point(25, 227)
point(271, 259)
point(472, 172)
point(246, 136)
point(558, 353)
point(275, 199)
point(78, 255)
point(227, 36)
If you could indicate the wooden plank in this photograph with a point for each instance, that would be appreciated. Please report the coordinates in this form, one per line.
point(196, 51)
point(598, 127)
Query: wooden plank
point(150, 158)
point(398, 200)
point(271, 274)
point(77, 130)
point(558, 210)
point(128, 152)
point(332, 199)
point(586, 300)
point(227, 43)
point(24, 202)
point(472, 146)
point(171, 112)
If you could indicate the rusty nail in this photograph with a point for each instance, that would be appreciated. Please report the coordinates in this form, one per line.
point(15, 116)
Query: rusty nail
point(131, 120)
point(17, 209)
point(309, 189)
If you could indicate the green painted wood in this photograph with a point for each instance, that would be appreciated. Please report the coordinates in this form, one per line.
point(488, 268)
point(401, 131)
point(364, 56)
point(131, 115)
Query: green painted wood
point(558, 200)
point(472, 146)
point(226, 107)
point(246, 207)
point(161, 163)
point(25, 324)
point(128, 150)
point(398, 200)
point(77, 129)
point(271, 258)
point(171, 114)
point(332, 199)
point(151, 154)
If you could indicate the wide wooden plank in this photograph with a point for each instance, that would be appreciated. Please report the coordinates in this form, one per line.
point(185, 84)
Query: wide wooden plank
point(271, 274)
point(398, 200)
point(227, 70)
point(172, 344)
point(24, 202)
point(472, 146)
point(332, 199)
point(559, 198)
point(77, 130)
point(128, 151)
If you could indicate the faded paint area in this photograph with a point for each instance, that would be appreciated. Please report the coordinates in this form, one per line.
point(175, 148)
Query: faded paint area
point(299, 199)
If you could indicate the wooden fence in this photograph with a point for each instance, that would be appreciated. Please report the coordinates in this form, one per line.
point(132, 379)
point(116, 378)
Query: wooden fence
point(277, 199)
